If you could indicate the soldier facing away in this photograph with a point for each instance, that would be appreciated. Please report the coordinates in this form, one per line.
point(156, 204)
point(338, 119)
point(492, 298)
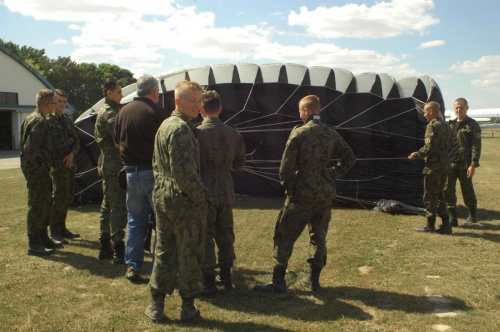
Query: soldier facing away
point(113, 219)
point(221, 150)
point(181, 201)
point(437, 166)
point(66, 145)
point(310, 188)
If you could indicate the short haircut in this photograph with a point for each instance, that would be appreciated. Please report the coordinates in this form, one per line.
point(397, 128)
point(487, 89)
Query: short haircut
point(43, 97)
point(312, 103)
point(146, 84)
point(462, 100)
point(433, 105)
point(184, 86)
point(109, 84)
point(210, 102)
point(60, 93)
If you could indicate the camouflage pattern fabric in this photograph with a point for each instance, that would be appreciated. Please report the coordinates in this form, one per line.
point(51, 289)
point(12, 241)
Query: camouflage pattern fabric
point(221, 149)
point(466, 186)
point(109, 161)
point(36, 161)
point(181, 203)
point(65, 140)
point(113, 217)
point(310, 188)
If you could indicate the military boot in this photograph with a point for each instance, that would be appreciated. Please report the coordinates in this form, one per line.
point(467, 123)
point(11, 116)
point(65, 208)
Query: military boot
point(208, 286)
point(47, 242)
point(106, 252)
point(312, 280)
point(35, 247)
point(429, 228)
point(445, 227)
point(155, 310)
point(453, 217)
point(119, 256)
point(189, 310)
point(472, 215)
point(67, 234)
point(55, 233)
point(224, 277)
point(276, 285)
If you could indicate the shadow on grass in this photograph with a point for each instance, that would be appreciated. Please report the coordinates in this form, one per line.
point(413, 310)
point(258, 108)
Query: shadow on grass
point(485, 236)
point(210, 324)
point(482, 214)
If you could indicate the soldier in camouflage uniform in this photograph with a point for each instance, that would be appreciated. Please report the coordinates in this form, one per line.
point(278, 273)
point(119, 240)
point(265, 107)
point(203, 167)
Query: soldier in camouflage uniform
point(181, 201)
point(113, 208)
point(36, 161)
point(310, 188)
point(66, 145)
point(464, 157)
point(221, 149)
point(437, 166)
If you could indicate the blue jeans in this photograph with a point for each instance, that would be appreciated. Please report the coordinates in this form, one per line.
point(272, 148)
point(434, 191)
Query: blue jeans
point(141, 214)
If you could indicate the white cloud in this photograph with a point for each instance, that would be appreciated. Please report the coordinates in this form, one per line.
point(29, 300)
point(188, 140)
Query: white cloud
point(443, 76)
point(59, 42)
point(74, 27)
point(432, 43)
point(382, 20)
point(488, 67)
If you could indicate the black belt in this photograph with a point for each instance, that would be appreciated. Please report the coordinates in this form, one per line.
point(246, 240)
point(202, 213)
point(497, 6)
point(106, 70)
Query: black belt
point(134, 169)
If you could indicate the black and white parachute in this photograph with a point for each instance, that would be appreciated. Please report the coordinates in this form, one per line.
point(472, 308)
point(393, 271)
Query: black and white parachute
point(379, 117)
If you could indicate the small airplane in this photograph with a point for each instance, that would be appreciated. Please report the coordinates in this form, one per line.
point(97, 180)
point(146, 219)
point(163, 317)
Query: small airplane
point(480, 115)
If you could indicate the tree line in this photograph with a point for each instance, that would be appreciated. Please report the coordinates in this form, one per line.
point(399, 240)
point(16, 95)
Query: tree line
point(82, 81)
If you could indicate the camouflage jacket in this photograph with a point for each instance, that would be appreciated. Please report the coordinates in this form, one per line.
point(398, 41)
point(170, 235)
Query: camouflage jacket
point(36, 144)
point(176, 164)
point(438, 140)
point(109, 161)
point(221, 149)
point(468, 140)
point(64, 137)
point(304, 170)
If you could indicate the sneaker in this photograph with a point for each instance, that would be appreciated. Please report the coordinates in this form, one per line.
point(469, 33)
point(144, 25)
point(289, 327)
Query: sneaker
point(132, 274)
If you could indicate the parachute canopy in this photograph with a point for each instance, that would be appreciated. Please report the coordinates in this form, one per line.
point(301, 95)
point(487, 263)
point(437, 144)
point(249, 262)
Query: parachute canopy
point(380, 118)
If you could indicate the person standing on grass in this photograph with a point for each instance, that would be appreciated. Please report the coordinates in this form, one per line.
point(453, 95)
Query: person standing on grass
point(310, 188)
point(66, 146)
point(221, 150)
point(181, 202)
point(464, 157)
point(438, 141)
point(36, 161)
point(113, 219)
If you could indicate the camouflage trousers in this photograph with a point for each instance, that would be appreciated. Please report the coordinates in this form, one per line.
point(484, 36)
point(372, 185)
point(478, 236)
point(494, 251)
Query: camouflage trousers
point(292, 220)
point(434, 185)
point(466, 186)
point(63, 191)
point(180, 248)
point(113, 220)
point(39, 201)
point(220, 231)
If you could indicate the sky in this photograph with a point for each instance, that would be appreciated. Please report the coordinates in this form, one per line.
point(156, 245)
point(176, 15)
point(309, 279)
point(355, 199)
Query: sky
point(456, 42)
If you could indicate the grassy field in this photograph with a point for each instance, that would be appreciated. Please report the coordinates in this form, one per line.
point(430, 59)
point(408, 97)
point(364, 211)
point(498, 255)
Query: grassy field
point(380, 275)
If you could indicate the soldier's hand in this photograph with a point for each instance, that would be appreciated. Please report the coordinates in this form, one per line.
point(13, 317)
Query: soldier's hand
point(412, 156)
point(471, 171)
point(68, 160)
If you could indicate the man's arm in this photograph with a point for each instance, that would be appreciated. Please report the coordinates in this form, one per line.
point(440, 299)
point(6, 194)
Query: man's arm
point(288, 167)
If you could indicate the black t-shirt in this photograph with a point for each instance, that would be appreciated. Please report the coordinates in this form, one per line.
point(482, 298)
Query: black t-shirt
point(135, 131)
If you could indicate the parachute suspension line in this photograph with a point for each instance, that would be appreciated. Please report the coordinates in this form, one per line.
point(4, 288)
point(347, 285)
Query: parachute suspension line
point(364, 180)
point(382, 133)
point(327, 105)
point(257, 167)
point(411, 109)
point(264, 130)
point(88, 187)
point(83, 131)
point(279, 109)
point(359, 201)
point(354, 117)
point(265, 116)
point(260, 172)
point(80, 174)
point(266, 177)
point(244, 106)
point(271, 124)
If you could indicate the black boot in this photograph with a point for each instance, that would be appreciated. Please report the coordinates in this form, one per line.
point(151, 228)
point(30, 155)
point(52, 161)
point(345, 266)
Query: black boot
point(47, 242)
point(472, 215)
point(189, 310)
point(429, 228)
point(208, 286)
point(55, 233)
point(453, 217)
point(276, 285)
point(106, 252)
point(312, 280)
point(35, 248)
point(445, 227)
point(67, 234)
point(155, 310)
point(119, 257)
point(224, 277)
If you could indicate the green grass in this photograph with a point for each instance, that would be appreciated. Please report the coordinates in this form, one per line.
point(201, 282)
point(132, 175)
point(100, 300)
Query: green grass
point(380, 274)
